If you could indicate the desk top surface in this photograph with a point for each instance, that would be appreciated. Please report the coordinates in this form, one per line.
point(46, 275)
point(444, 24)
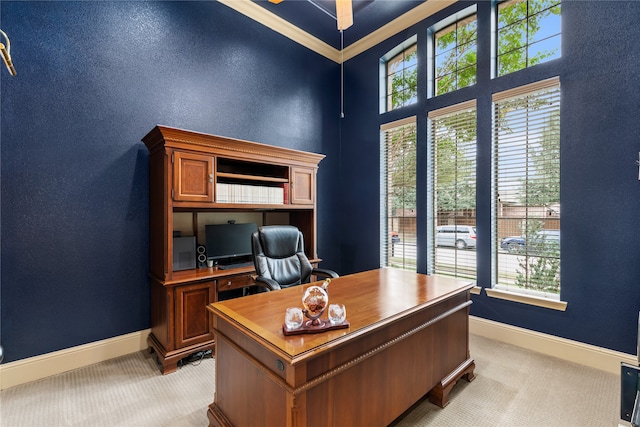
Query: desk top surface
point(371, 298)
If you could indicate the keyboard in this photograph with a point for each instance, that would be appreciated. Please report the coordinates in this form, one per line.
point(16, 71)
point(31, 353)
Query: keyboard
point(236, 265)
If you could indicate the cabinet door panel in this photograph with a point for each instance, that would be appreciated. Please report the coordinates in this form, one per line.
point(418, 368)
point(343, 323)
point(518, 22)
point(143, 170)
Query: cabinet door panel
point(193, 321)
point(303, 186)
point(192, 177)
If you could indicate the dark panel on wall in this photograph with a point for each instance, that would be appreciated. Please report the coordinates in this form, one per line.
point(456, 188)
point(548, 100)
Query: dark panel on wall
point(600, 189)
point(93, 79)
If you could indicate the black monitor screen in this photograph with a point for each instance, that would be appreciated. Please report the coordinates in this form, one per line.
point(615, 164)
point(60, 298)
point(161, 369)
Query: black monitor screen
point(229, 240)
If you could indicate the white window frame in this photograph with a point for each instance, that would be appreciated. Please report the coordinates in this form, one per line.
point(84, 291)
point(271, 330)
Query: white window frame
point(431, 66)
point(445, 126)
point(411, 42)
point(527, 36)
point(400, 253)
point(510, 172)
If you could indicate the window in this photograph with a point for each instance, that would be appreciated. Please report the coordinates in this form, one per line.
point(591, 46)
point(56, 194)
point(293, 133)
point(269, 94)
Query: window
point(455, 48)
point(400, 76)
point(398, 198)
point(453, 177)
point(526, 208)
point(528, 33)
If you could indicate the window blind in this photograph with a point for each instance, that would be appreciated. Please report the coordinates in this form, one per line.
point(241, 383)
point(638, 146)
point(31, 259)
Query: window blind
point(452, 138)
point(526, 173)
point(398, 194)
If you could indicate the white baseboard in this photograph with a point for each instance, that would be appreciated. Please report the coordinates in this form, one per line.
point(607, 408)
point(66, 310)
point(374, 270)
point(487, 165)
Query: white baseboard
point(573, 351)
point(34, 368)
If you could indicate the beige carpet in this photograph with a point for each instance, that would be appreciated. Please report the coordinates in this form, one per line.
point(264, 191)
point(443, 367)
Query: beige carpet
point(517, 387)
point(513, 387)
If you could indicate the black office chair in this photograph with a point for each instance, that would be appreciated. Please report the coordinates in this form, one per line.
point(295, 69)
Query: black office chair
point(279, 258)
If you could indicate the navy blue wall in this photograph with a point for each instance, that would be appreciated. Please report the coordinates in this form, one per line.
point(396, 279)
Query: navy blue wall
point(600, 141)
point(93, 79)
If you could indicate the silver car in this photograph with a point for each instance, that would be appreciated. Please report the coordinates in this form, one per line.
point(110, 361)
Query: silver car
point(458, 236)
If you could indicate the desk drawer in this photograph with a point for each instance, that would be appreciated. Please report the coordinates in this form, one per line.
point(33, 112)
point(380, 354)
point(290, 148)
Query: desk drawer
point(234, 282)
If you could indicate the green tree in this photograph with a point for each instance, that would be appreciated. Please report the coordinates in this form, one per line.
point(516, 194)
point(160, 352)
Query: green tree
point(457, 64)
point(455, 162)
point(401, 168)
point(404, 78)
point(540, 268)
point(456, 56)
point(519, 23)
point(543, 185)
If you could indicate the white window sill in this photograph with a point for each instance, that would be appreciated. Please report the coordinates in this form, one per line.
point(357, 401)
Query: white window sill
point(527, 299)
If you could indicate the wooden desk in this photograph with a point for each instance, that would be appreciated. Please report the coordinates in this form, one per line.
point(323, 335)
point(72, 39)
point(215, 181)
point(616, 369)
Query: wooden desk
point(409, 336)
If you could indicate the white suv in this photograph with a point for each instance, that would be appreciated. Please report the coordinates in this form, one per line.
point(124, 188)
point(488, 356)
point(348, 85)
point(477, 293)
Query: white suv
point(458, 236)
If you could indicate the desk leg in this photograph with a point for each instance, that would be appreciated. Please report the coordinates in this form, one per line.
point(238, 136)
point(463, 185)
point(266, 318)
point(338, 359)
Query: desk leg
point(216, 417)
point(439, 395)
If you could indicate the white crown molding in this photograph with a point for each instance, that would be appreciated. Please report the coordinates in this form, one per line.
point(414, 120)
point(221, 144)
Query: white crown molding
point(401, 23)
point(271, 20)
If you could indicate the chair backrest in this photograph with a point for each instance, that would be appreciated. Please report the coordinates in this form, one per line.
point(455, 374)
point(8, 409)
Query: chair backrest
point(278, 254)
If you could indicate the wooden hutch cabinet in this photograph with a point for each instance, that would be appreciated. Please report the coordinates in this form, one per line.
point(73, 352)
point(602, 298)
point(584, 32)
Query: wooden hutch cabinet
point(194, 176)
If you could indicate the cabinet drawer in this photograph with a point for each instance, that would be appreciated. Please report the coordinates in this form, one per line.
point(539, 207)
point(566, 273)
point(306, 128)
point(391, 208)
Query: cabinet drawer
point(234, 282)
